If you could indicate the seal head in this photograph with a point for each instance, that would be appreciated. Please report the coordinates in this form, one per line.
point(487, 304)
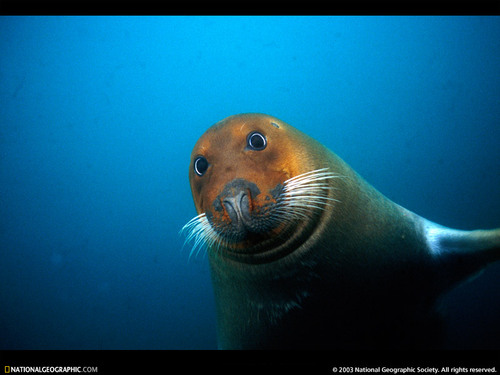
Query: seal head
point(244, 179)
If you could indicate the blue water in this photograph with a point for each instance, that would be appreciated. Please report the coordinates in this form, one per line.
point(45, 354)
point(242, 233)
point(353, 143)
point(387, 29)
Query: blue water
point(98, 116)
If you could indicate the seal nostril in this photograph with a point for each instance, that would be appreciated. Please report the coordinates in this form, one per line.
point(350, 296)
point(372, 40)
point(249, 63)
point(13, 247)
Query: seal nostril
point(244, 204)
point(229, 205)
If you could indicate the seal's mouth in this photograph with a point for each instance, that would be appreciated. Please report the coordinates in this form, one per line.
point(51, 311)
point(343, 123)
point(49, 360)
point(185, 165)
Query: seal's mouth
point(245, 221)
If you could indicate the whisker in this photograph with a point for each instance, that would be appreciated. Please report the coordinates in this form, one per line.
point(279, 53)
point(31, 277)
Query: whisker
point(199, 231)
point(307, 191)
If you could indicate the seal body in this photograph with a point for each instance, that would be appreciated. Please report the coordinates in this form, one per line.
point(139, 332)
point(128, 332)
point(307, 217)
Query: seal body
point(305, 254)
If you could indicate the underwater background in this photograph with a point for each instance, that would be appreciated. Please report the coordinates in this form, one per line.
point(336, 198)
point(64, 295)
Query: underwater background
point(98, 116)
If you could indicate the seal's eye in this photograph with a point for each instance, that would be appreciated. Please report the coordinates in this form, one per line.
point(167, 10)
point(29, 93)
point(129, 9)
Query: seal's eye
point(200, 165)
point(256, 141)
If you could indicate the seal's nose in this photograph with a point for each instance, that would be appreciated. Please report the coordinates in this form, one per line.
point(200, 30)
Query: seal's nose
point(236, 201)
point(237, 206)
point(240, 211)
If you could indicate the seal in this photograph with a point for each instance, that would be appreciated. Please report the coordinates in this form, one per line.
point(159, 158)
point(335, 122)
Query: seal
point(305, 254)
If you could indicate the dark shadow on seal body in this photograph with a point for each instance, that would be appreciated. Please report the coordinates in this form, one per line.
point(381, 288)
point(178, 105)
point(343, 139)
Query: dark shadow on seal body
point(392, 313)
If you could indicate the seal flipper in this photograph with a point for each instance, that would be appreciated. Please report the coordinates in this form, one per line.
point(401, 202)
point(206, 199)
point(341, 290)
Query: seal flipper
point(462, 254)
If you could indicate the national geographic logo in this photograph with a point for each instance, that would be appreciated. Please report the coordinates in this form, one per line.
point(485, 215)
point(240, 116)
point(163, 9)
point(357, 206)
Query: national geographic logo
point(49, 369)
